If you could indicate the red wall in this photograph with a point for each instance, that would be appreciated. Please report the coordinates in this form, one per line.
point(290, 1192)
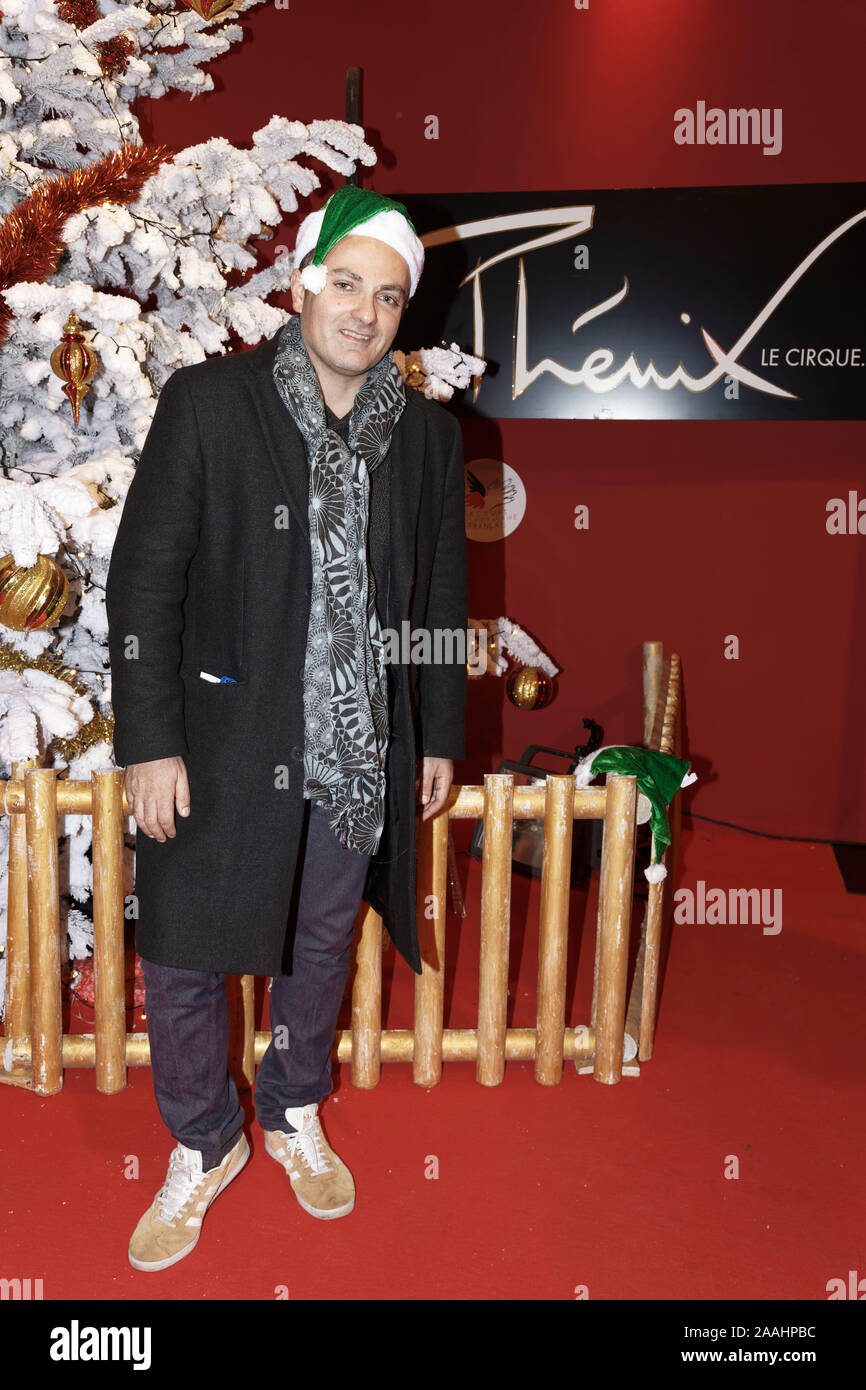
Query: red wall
point(698, 530)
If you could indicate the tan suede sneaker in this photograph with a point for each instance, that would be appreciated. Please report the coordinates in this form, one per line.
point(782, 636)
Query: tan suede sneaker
point(321, 1181)
point(171, 1226)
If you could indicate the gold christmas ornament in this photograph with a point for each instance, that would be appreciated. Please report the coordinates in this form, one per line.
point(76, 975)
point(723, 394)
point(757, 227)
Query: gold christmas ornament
point(529, 688)
point(74, 361)
point(31, 598)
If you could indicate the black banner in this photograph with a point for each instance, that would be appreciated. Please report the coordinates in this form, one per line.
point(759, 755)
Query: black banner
point(101, 1342)
point(738, 303)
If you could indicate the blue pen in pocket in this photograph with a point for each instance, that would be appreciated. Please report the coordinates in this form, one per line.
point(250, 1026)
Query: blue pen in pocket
point(219, 680)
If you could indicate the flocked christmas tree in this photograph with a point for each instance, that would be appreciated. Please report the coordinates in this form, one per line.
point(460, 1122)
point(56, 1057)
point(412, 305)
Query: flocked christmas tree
point(119, 262)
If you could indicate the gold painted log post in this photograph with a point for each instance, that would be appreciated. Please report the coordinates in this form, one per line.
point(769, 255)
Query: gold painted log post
point(653, 660)
point(553, 926)
point(614, 922)
point(667, 738)
point(432, 870)
point(109, 972)
point(241, 1003)
point(248, 1010)
point(40, 799)
point(17, 1066)
point(495, 926)
point(367, 1003)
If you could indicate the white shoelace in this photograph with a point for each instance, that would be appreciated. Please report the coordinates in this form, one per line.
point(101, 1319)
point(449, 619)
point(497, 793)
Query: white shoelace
point(181, 1183)
point(309, 1142)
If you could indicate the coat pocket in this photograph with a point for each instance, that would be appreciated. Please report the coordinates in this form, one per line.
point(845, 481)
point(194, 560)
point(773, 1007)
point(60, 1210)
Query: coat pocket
point(217, 623)
point(206, 680)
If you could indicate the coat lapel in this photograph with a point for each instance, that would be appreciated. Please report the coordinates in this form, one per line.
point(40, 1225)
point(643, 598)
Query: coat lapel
point(285, 445)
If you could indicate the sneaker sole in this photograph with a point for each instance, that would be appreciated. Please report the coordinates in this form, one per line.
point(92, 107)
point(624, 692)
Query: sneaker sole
point(313, 1211)
point(152, 1266)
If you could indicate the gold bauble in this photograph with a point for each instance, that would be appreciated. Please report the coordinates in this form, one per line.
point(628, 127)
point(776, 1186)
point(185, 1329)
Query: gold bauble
point(74, 361)
point(529, 688)
point(31, 598)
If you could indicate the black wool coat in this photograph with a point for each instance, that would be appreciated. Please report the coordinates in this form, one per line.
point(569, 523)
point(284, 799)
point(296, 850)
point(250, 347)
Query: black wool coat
point(211, 570)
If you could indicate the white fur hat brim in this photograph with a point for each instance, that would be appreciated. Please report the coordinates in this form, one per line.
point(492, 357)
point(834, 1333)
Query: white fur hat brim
point(389, 226)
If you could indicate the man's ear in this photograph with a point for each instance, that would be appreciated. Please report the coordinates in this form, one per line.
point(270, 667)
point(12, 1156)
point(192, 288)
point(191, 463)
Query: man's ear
point(297, 290)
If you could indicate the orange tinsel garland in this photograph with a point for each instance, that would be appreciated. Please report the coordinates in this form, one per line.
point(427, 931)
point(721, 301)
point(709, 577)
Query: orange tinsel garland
point(30, 241)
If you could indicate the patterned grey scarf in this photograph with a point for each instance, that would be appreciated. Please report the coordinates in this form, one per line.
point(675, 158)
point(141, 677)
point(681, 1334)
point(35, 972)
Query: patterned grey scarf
point(346, 729)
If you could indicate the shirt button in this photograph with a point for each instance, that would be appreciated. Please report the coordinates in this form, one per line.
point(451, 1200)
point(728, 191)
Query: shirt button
point(297, 754)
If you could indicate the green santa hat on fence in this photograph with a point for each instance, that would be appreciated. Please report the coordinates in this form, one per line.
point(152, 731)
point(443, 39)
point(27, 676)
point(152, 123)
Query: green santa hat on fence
point(359, 212)
point(659, 777)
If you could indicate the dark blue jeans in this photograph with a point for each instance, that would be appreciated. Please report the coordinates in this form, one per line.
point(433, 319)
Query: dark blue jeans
point(187, 1013)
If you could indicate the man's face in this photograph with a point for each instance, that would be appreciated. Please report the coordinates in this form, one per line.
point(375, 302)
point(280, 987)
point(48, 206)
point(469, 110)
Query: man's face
point(350, 325)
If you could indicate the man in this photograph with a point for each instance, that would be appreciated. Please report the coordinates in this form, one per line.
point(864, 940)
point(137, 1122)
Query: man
point(289, 505)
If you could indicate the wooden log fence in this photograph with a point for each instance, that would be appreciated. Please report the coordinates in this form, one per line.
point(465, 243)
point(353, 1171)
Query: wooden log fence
point(662, 732)
point(35, 1051)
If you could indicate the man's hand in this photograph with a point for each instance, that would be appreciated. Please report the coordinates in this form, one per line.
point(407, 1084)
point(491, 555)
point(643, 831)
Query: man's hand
point(436, 782)
point(153, 790)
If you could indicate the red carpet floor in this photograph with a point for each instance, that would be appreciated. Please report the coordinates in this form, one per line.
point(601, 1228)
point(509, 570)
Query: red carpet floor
point(540, 1190)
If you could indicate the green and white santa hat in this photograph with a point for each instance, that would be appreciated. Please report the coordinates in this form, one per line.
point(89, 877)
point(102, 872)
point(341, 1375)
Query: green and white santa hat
point(659, 776)
point(360, 212)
